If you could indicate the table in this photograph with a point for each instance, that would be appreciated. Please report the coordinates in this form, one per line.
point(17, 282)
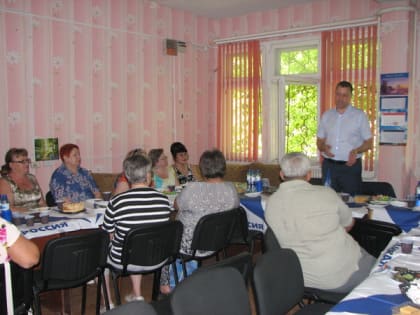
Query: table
point(61, 222)
point(405, 218)
point(379, 293)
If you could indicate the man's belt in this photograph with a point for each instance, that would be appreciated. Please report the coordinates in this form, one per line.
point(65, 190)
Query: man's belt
point(335, 161)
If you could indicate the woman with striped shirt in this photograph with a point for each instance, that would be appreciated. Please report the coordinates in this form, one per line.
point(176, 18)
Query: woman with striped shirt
point(137, 206)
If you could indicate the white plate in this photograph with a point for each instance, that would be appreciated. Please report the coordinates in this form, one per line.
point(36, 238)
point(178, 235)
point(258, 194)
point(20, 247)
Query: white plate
point(379, 202)
point(253, 194)
point(397, 203)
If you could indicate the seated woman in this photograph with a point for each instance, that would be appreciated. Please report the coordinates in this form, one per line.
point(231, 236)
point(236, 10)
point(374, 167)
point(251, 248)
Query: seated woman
point(198, 199)
point(139, 205)
point(183, 170)
point(163, 175)
point(21, 187)
point(70, 182)
point(121, 183)
point(15, 247)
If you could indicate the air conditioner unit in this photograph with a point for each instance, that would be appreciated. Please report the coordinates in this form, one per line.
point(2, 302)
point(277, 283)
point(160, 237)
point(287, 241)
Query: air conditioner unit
point(173, 46)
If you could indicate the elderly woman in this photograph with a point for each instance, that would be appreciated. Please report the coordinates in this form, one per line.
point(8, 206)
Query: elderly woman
point(163, 175)
point(70, 182)
point(21, 187)
point(121, 182)
point(198, 199)
point(212, 195)
point(183, 170)
point(137, 206)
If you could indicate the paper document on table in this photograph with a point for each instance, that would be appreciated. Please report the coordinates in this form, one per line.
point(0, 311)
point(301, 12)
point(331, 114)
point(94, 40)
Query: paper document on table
point(359, 212)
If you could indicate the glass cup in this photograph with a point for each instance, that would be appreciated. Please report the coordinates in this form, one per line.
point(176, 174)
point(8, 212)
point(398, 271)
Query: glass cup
point(406, 245)
point(411, 201)
point(17, 218)
point(44, 217)
point(106, 195)
point(30, 219)
point(345, 197)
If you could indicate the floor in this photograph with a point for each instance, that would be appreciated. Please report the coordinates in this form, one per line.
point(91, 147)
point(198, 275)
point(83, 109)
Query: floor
point(51, 301)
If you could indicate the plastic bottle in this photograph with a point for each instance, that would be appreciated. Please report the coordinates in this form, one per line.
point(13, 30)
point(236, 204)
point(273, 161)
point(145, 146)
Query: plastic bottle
point(327, 181)
point(418, 195)
point(6, 213)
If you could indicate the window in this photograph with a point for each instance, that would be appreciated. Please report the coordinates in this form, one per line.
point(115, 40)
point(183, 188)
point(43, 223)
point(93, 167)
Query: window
point(294, 91)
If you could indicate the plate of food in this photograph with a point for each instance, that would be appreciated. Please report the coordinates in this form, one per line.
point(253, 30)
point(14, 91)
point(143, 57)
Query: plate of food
point(381, 200)
point(412, 290)
point(71, 207)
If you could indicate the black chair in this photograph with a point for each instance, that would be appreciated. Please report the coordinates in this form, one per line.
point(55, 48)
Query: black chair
point(49, 199)
point(373, 235)
point(241, 262)
point(377, 188)
point(270, 240)
point(133, 308)
point(148, 245)
point(70, 262)
point(316, 181)
point(278, 284)
point(218, 291)
point(311, 294)
point(212, 233)
point(241, 234)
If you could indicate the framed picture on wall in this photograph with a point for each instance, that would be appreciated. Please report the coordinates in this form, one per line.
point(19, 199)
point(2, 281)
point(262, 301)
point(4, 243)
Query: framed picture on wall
point(46, 149)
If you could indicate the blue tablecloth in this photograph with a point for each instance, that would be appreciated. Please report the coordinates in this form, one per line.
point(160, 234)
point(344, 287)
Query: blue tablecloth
point(255, 212)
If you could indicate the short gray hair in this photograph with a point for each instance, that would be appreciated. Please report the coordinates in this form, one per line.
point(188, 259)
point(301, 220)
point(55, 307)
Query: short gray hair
point(212, 164)
point(136, 168)
point(295, 164)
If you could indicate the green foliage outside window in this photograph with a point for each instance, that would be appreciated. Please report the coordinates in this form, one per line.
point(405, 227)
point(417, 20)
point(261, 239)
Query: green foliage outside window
point(303, 61)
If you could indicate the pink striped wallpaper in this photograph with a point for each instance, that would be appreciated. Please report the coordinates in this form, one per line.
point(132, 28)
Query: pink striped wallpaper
point(94, 72)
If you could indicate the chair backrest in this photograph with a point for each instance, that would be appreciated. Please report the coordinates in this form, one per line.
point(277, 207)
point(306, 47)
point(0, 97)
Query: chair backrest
point(270, 240)
point(316, 181)
point(277, 281)
point(133, 308)
point(74, 258)
point(373, 235)
point(213, 231)
point(377, 188)
point(241, 262)
point(240, 229)
point(218, 291)
point(49, 199)
point(151, 244)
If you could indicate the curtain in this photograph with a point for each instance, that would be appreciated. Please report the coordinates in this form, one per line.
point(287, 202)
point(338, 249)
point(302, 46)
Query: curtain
point(351, 55)
point(239, 100)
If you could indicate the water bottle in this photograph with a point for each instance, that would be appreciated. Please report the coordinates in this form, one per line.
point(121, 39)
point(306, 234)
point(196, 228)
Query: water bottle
point(418, 195)
point(6, 213)
point(258, 182)
point(327, 182)
point(248, 180)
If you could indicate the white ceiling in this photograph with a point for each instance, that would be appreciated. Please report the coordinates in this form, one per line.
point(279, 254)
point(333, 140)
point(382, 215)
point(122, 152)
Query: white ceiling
point(227, 8)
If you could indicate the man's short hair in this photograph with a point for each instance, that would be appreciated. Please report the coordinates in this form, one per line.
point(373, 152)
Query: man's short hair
point(295, 164)
point(345, 84)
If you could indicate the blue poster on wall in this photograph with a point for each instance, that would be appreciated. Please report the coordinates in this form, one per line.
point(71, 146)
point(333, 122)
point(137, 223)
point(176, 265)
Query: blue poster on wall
point(393, 109)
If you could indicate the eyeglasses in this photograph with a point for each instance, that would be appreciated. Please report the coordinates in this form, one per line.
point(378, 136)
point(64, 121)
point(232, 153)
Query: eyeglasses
point(25, 161)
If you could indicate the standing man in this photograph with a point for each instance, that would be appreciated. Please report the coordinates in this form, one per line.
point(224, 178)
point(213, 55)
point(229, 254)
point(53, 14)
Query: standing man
point(343, 135)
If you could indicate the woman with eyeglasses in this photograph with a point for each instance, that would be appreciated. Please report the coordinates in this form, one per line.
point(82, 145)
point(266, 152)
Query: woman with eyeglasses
point(21, 187)
point(71, 182)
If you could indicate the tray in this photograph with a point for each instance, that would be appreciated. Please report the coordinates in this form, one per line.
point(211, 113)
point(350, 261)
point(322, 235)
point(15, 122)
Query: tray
point(65, 212)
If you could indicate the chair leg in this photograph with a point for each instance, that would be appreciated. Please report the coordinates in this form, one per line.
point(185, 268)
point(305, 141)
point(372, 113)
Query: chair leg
point(116, 290)
point(37, 306)
point(156, 284)
point(99, 285)
point(83, 300)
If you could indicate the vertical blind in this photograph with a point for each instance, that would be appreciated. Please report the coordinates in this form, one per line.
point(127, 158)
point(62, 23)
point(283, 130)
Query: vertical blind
point(239, 100)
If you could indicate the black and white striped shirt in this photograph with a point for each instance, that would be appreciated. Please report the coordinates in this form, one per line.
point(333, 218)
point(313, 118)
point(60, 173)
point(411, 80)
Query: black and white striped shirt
point(131, 209)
